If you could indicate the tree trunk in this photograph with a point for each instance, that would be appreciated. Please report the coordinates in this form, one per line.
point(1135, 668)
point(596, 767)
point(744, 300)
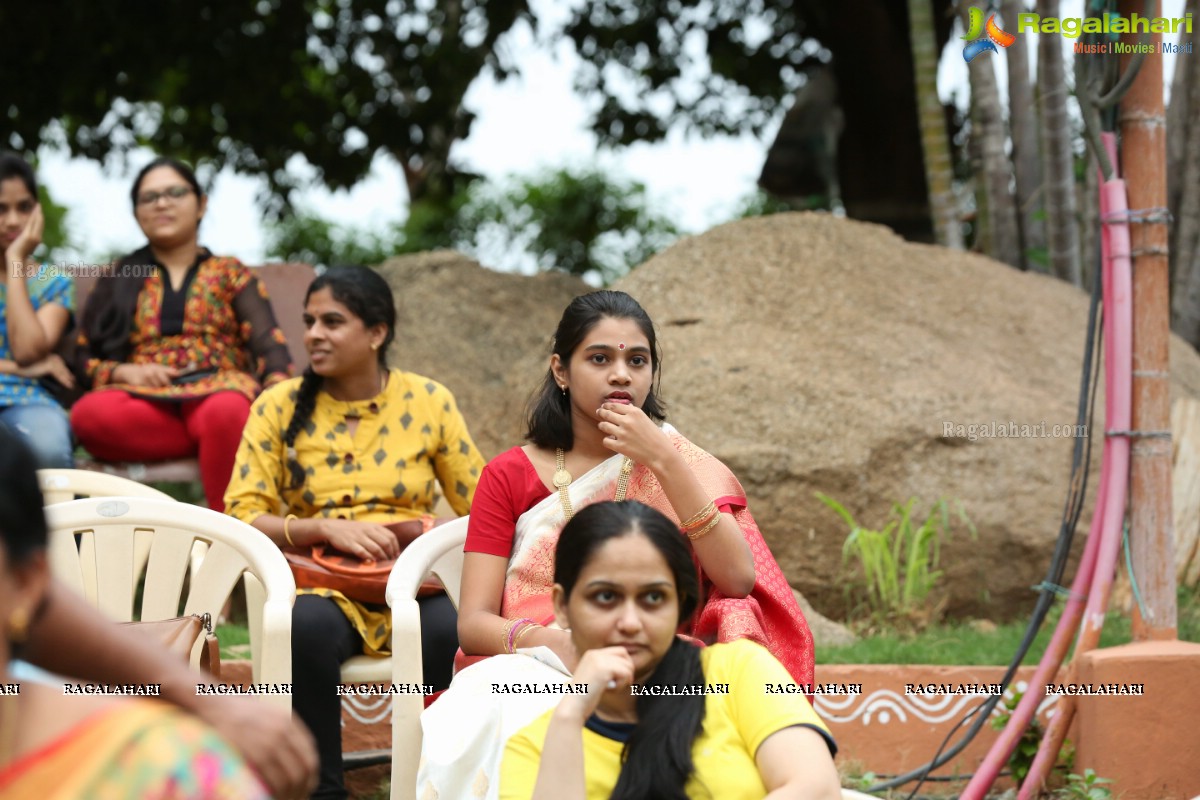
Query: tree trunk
point(1023, 125)
point(1185, 200)
point(994, 170)
point(880, 168)
point(1058, 161)
point(1144, 164)
point(1178, 122)
point(935, 143)
point(983, 238)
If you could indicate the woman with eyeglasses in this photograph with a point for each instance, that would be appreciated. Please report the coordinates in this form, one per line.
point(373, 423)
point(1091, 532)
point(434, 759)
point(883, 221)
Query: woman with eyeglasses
point(176, 342)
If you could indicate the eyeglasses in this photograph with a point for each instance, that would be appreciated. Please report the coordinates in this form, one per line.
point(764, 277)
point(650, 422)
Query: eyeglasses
point(172, 194)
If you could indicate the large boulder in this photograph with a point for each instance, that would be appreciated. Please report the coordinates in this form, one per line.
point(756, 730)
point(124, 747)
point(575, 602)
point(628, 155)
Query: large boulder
point(814, 354)
point(818, 354)
point(484, 334)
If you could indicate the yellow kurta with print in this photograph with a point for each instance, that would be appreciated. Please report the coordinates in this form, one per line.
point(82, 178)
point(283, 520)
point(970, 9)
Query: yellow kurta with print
point(410, 439)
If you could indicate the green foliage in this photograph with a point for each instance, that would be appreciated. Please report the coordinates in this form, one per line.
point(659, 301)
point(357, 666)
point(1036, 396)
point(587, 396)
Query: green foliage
point(728, 69)
point(976, 643)
point(1088, 786)
point(584, 223)
point(760, 204)
point(255, 85)
point(56, 236)
point(1023, 754)
point(899, 563)
point(308, 239)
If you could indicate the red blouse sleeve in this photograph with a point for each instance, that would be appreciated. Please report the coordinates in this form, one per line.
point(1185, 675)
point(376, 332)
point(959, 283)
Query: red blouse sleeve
point(508, 487)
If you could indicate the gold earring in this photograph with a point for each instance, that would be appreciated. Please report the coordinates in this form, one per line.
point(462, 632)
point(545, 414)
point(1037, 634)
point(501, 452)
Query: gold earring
point(18, 625)
point(375, 346)
point(564, 389)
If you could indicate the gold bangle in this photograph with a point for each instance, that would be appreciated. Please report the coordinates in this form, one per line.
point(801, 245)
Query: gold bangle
point(700, 516)
point(712, 523)
point(507, 629)
point(287, 537)
point(522, 632)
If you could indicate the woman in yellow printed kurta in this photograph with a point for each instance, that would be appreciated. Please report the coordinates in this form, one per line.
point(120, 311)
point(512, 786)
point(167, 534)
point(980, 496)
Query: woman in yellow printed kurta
point(346, 449)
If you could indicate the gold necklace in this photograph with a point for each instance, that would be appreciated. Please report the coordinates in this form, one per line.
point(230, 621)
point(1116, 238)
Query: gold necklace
point(562, 480)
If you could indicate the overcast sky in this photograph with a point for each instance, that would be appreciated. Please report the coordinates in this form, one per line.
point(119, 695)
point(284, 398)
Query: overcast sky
point(524, 124)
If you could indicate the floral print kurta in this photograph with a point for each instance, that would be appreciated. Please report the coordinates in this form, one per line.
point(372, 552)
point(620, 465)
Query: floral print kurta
point(228, 327)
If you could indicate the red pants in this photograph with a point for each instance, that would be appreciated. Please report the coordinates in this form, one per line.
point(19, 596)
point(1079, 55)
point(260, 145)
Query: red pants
point(116, 426)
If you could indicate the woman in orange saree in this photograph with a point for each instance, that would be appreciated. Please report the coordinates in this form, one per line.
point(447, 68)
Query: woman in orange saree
point(596, 417)
point(64, 741)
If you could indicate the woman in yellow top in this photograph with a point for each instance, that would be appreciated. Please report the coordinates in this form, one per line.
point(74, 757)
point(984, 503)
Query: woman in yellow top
point(334, 456)
point(658, 717)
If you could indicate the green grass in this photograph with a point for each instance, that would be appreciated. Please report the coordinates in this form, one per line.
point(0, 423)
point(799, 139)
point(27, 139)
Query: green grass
point(942, 644)
point(232, 635)
point(961, 643)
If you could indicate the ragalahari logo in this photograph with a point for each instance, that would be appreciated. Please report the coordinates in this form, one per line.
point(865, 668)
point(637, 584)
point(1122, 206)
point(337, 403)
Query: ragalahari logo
point(995, 36)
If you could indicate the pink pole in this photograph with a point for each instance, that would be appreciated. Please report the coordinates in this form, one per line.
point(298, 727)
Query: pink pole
point(1118, 325)
point(1104, 535)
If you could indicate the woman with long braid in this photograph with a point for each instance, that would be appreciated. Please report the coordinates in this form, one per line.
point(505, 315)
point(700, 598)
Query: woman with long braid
point(333, 457)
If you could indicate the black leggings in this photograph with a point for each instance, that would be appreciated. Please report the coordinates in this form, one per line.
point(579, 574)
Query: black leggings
point(322, 638)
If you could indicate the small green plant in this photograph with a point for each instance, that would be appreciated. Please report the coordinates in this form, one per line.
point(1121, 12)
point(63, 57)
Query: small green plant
point(1088, 786)
point(854, 773)
point(1022, 755)
point(899, 563)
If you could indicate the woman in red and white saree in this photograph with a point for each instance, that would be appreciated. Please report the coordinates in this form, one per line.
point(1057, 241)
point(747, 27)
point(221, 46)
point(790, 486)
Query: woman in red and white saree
point(595, 418)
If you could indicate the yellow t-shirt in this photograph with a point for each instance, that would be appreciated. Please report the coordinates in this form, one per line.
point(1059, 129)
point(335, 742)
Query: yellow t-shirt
point(735, 724)
point(408, 438)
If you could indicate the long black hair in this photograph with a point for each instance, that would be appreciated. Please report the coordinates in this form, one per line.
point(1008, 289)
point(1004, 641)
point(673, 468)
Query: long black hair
point(657, 761)
point(549, 415)
point(22, 521)
point(108, 317)
point(13, 166)
point(368, 296)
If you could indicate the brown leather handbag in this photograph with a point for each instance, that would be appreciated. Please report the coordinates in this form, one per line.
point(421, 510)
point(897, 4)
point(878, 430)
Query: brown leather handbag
point(179, 634)
point(322, 567)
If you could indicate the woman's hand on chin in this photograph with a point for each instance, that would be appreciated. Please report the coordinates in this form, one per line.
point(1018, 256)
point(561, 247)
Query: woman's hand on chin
point(603, 670)
point(28, 239)
point(628, 431)
point(366, 540)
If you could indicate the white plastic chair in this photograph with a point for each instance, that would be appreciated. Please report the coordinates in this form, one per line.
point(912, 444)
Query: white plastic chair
point(103, 571)
point(438, 552)
point(61, 485)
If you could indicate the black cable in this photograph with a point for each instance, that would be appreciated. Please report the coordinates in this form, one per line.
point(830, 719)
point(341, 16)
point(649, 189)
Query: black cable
point(1073, 507)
